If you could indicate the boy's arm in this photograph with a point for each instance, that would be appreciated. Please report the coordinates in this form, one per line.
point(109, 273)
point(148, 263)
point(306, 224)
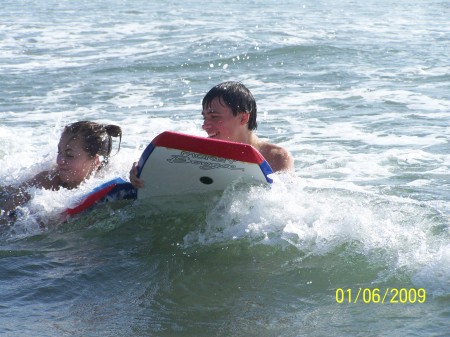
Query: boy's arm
point(278, 158)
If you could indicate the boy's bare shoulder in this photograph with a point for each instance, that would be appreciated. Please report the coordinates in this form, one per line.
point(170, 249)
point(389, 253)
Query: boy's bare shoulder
point(278, 157)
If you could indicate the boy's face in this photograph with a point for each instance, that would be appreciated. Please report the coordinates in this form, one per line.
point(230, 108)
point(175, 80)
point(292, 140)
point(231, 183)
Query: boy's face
point(219, 122)
point(74, 163)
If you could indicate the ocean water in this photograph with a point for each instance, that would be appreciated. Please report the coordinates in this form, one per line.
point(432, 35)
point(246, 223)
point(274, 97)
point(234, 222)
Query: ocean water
point(354, 243)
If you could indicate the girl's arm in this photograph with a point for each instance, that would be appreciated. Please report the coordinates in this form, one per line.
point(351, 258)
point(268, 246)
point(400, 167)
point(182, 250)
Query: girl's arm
point(19, 195)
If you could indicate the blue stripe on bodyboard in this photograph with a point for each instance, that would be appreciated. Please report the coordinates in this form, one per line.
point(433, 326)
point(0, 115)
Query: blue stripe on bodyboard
point(145, 155)
point(266, 170)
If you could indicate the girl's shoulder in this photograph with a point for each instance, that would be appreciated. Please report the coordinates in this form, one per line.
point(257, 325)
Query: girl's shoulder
point(48, 180)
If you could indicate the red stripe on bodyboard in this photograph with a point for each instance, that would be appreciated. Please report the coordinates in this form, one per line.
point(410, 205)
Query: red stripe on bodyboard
point(90, 200)
point(209, 146)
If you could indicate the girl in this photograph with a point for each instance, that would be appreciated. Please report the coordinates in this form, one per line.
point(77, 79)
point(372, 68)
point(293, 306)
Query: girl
point(83, 149)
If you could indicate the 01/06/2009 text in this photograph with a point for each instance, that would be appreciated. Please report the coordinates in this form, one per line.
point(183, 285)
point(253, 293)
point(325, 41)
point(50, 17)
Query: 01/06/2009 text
point(375, 295)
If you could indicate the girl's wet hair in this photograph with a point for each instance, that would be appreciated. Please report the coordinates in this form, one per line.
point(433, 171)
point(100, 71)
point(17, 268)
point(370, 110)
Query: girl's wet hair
point(95, 138)
point(237, 97)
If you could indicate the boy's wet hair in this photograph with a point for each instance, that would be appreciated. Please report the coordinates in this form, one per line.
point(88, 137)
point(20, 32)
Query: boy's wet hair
point(237, 97)
point(95, 138)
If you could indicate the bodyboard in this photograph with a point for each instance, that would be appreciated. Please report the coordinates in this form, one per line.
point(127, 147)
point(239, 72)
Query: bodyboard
point(113, 190)
point(176, 164)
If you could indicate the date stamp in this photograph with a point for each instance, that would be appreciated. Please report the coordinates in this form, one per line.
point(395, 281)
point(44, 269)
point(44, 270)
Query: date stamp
point(381, 296)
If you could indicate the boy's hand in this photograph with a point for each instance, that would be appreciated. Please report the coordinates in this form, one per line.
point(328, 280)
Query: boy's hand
point(134, 180)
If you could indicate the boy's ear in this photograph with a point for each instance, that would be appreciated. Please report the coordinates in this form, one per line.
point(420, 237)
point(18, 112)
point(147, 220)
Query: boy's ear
point(245, 116)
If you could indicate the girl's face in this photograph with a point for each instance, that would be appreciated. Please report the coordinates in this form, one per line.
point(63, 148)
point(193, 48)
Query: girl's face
point(74, 163)
point(219, 122)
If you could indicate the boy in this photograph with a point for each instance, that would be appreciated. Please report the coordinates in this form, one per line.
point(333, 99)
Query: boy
point(229, 113)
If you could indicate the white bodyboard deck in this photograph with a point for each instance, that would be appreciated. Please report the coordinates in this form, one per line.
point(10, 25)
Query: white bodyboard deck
point(176, 164)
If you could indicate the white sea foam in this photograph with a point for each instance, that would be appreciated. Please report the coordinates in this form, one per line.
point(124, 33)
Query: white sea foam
point(317, 219)
point(435, 275)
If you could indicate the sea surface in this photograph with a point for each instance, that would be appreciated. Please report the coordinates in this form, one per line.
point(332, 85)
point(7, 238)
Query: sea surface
point(354, 243)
